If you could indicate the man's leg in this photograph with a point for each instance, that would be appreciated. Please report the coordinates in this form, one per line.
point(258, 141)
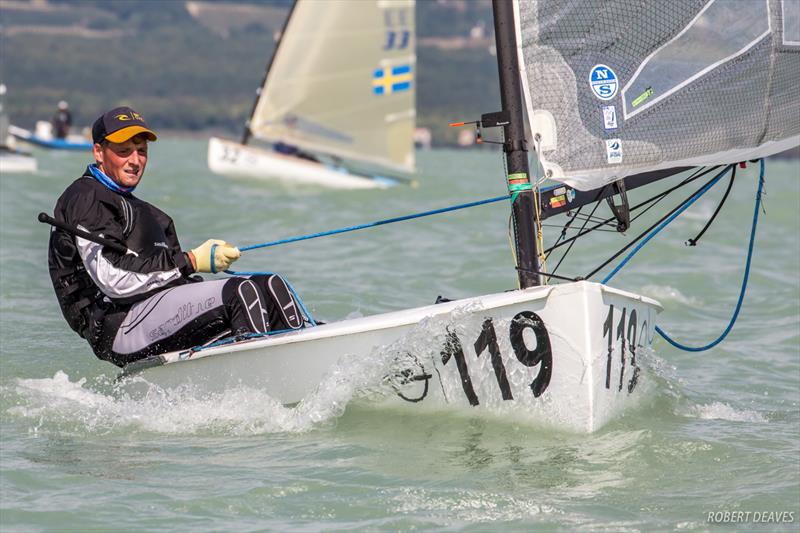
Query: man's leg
point(282, 309)
point(173, 319)
point(190, 315)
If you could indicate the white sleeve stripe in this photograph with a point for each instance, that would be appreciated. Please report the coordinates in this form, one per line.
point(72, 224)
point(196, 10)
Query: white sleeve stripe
point(116, 282)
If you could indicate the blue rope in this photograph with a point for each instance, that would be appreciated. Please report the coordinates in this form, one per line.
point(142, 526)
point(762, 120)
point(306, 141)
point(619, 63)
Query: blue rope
point(664, 224)
point(744, 280)
point(322, 234)
point(213, 266)
point(231, 340)
point(373, 224)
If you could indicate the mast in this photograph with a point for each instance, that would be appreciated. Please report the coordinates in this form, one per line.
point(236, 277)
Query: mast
point(514, 146)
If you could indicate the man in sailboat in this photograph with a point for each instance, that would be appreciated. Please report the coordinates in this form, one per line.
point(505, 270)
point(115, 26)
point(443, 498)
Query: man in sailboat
point(147, 301)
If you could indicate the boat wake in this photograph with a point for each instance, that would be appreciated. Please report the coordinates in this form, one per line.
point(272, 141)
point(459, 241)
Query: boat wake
point(100, 405)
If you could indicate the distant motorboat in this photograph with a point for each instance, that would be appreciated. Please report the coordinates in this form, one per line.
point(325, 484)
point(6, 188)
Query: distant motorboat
point(44, 138)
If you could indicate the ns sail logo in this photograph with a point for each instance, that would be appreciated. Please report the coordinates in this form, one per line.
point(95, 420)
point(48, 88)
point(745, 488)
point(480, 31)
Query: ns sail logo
point(603, 82)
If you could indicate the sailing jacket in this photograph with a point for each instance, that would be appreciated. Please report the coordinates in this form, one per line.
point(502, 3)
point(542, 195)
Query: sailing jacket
point(90, 280)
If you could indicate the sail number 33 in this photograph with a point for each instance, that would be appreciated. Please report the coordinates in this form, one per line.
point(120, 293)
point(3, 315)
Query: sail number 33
point(541, 355)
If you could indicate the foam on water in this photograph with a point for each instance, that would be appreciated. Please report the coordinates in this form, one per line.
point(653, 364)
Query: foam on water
point(665, 293)
point(471, 506)
point(102, 406)
point(80, 406)
point(723, 411)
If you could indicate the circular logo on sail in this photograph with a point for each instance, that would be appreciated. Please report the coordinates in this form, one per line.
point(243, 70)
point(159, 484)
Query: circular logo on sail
point(603, 82)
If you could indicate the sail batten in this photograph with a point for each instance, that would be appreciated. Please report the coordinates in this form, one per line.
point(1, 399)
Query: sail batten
point(341, 83)
point(615, 88)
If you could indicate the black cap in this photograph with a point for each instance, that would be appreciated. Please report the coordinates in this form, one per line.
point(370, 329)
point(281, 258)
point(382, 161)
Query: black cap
point(119, 125)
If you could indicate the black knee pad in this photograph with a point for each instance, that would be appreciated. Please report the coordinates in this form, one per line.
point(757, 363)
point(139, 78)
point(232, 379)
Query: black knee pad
point(253, 306)
point(284, 301)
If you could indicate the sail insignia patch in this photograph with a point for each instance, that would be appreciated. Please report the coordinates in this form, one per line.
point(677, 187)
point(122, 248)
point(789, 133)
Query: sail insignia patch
point(387, 80)
point(642, 97)
point(603, 82)
point(609, 117)
point(614, 151)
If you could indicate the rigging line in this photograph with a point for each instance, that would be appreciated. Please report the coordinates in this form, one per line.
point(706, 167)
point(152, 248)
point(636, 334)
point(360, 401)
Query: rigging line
point(512, 226)
point(376, 223)
point(587, 218)
point(659, 225)
point(566, 227)
point(549, 274)
point(745, 278)
point(586, 221)
point(563, 234)
point(661, 196)
point(654, 200)
point(537, 211)
point(693, 242)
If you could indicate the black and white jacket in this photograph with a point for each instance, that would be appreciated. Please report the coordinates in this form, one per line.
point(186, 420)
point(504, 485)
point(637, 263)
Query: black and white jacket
point(85, 273)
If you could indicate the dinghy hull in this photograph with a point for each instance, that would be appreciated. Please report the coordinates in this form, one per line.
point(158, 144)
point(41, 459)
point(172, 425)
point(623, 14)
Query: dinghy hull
point(229, 158)
point(71, 143)
point(14, 162)
point(563, 355)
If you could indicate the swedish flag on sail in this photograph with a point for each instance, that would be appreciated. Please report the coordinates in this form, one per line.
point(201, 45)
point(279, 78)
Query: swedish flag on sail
point(391, 80)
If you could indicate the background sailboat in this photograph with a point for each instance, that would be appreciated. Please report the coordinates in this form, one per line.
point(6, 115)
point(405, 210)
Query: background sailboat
point(336, 107)
point(12, 159)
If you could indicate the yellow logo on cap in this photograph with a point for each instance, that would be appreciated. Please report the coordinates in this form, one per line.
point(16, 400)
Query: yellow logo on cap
point(134, 116)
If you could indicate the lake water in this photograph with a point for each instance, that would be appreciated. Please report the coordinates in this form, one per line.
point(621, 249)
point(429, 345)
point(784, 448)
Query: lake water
point(719, 431)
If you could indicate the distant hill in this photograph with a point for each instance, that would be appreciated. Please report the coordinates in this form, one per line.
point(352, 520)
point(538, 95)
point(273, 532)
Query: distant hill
point(195, 65)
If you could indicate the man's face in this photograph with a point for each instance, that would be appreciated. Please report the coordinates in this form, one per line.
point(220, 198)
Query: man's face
point(124, 162)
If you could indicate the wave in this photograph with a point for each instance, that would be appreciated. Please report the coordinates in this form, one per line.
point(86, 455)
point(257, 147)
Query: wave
point(665, 293)
point(723, 411)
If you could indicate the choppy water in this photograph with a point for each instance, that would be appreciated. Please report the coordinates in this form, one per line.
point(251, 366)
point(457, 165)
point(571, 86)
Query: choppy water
point(718, 431)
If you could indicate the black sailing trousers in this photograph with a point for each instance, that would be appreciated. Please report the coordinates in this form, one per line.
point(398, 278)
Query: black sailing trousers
point(190, 315)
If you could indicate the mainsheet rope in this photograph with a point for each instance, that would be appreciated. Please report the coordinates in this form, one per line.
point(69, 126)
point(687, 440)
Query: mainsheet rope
point(745, 278)
point(373, 224)
point(305, 310)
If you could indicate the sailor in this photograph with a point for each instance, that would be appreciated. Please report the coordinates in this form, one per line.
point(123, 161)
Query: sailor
point(147, 301)
point(61, 121)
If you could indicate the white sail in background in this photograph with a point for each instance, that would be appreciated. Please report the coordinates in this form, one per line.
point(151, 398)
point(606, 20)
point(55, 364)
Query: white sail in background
point(342, 82)
point(615, 88)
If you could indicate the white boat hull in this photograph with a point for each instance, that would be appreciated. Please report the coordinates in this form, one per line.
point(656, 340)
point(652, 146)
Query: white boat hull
point(229, 158)
point(443, 355)
point(11, 162)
